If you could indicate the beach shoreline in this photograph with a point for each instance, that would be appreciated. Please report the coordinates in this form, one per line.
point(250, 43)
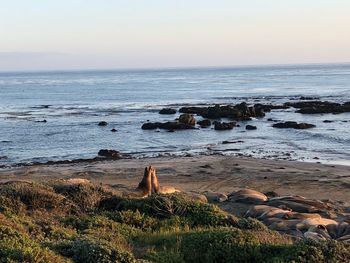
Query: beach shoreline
point(198, 174)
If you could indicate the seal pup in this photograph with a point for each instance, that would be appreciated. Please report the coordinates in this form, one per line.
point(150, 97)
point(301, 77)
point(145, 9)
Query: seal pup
point(156, 188)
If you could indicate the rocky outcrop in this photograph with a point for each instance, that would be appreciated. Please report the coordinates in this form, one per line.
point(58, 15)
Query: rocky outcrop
point(187, 119)
point(193, 110)
point(317, 107)
point(170, 125)
point(204, 123)
point(237, 112)
point(293, 125)
point(168, 111)
point(220, 126)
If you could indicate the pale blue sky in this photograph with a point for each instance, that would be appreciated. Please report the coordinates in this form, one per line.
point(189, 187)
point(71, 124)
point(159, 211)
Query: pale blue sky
point(77, 34)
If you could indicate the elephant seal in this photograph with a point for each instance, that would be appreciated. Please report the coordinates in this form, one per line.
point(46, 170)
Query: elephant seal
point(248, 196)
point(276, 213)
point(317, 233)
point(144, 189)
point(296, 215)
point(257, 210)
point(78, 181)
point(156, 188)
point(285, 225)
point(307, 223)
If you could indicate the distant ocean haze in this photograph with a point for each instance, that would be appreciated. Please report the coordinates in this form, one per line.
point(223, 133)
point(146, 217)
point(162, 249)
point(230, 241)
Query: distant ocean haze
point(73, 103)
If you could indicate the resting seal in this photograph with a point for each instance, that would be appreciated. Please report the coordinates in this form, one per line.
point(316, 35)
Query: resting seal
point(248, 196)
point(317, 233)
point(307, 223)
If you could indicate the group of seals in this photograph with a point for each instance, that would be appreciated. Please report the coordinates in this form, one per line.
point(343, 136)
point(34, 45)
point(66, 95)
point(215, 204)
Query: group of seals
point(149, 185)
point(294, 215)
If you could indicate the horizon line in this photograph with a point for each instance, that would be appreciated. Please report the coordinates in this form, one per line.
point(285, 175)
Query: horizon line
point(121, 69)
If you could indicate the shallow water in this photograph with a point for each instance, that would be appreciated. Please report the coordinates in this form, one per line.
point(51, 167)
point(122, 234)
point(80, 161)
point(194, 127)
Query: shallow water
point(74, 102)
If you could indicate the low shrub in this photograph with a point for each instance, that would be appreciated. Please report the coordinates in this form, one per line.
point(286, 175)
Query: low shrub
point(167, 206)
point(86, 196)
point(19, 247)
point(89, 250)
point(32, 196)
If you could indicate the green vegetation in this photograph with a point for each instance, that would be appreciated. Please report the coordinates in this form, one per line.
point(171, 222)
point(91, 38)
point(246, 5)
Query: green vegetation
point(59, 222)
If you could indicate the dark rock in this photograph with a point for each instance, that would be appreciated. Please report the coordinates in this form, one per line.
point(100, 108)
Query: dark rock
point(113, 130)
point(250, 127)
point(174, 125)
point(150, 125)
point(327, 121)
point(110, 154)
point(308, 98)
point(317, 107)
point(213, 112)
point(204, 123)
point(170, 125)
point(294, 125)
point(193, 110)
point(219, 126)
point(171, 130)
point(44, 121)
point(187, 119)
point(270, 119)
point(167, 111)
point(102, 123)
point(229, 142)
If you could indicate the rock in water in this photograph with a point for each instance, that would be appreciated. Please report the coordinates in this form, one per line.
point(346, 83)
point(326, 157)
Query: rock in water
point(204, 123)
point(220, 126)
point(250, 127)
point(102, 123)
point(293, 125)
point(167, 111)
point(110, 154)
point(187, 119)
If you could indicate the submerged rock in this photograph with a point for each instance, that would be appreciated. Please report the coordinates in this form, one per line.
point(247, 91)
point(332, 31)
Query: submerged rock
point(293, 125)
point(204, 123)
point(220, 126)
point(250, 127)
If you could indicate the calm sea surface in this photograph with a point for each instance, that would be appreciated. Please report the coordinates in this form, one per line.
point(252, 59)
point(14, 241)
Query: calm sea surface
point(74, 102)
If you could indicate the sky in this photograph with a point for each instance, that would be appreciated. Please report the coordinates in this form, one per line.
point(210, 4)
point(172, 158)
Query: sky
point(106, 34)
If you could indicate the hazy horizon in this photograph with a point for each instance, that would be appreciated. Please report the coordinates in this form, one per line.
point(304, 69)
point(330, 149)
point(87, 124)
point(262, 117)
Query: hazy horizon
point(91, 35)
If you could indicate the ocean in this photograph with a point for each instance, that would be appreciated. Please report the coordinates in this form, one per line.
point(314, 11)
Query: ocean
point(73, 103)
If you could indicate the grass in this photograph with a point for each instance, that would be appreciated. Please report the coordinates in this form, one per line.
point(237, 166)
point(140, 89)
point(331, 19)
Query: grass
point(59, 222)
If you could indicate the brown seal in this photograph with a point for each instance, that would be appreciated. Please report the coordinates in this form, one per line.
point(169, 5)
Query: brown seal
point(156, 188)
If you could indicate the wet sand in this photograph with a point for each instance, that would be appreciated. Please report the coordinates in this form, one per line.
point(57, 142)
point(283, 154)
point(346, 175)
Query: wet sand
point(204, 173)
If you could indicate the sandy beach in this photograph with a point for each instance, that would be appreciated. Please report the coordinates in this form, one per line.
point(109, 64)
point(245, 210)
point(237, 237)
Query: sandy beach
point(223, 174)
